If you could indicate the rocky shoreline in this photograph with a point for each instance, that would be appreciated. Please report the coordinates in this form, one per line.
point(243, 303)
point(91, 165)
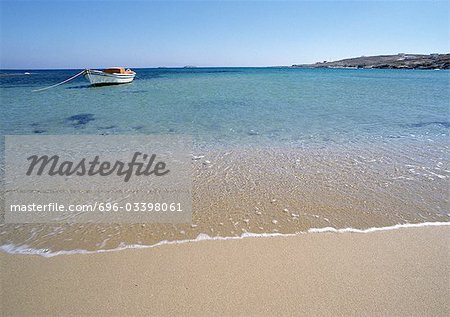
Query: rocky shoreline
point(399, 61)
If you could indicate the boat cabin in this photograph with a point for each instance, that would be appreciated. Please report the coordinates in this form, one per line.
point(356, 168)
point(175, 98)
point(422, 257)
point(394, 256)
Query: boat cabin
point(117, 70)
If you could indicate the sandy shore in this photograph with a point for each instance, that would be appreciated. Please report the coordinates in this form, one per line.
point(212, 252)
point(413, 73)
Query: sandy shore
point(399, 272)
point(277, 191)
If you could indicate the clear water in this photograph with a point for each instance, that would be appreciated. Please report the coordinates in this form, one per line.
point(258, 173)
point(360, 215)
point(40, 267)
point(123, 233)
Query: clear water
point(335, 147)
point(229, 107)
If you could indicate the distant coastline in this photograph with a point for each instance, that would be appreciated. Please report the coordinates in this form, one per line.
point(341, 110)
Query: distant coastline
point(398, 61)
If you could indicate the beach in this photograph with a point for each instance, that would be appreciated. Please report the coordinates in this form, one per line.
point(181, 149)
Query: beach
point(278, 157)
point(392, 272)
point(224, 158)
point(270, 191)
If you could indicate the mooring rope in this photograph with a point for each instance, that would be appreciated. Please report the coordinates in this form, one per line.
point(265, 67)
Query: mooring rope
point(63, 82)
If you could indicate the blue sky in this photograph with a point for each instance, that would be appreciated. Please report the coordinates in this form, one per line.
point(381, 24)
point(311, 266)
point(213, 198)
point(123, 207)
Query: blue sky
point(79, 34)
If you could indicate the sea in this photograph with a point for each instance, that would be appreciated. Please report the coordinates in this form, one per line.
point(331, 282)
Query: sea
point(277, 150)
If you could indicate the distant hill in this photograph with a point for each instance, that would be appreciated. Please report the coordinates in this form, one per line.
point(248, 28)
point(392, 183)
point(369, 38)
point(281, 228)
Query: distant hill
point(399, 61)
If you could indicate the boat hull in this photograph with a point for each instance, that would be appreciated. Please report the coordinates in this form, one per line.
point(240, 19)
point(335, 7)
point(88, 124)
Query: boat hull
point(98, 78)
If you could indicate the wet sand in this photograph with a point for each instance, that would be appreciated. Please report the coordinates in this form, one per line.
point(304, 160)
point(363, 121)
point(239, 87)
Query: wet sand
point(398, 272)
point(279, 191)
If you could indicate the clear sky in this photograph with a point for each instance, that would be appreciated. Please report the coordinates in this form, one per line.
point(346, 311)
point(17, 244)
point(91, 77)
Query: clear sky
point(80, 34)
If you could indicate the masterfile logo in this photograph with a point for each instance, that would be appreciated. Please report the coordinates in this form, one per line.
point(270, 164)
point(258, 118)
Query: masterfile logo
point(85, 167)
point(99, 179)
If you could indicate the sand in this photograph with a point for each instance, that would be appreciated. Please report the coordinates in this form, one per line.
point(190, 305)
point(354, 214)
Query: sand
point(278, 190)
point(398, 272)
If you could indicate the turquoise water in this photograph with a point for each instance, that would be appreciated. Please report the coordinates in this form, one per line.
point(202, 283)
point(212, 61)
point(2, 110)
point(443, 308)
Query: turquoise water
point(233, 107)
point(335, 147)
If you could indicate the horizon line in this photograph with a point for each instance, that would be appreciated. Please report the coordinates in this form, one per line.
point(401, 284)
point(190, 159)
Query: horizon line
point(150, 67)
point(205, 66)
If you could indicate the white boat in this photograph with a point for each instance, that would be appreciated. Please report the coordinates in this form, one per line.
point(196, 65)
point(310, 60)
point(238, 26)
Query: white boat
point(109, 76)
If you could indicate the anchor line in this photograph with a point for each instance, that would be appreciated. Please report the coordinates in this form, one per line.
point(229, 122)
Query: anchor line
point(63, 82)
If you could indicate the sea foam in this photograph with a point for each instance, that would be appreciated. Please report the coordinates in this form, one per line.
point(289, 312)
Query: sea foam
point(26, 250)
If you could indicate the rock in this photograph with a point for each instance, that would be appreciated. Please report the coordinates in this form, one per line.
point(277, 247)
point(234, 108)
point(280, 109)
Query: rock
point(399, 61)
point(80, 119)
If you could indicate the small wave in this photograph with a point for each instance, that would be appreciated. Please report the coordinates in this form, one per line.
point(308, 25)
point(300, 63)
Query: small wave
point(375, 229)
point(26, 250)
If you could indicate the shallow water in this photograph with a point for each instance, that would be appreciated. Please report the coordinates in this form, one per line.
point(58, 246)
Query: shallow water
point(238, 106)
point(285, 150)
